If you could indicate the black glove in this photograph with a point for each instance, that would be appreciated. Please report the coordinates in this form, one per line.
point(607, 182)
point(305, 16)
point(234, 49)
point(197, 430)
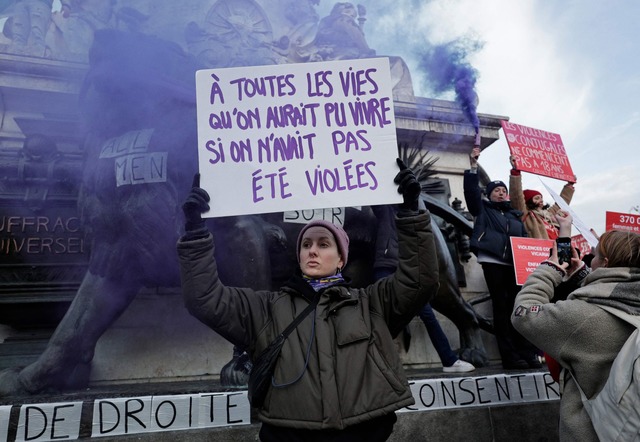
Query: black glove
point(408, 186)
point(195, 205)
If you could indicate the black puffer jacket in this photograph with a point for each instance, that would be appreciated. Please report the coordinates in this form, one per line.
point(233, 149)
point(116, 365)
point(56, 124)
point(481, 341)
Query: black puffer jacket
point(494, 222)
point(386, 256)
point(354, 373)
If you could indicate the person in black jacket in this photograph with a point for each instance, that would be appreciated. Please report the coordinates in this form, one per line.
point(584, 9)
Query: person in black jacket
point(495, 222)
point(385, 264)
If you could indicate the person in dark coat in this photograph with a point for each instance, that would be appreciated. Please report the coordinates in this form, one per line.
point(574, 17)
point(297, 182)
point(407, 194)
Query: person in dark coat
point(579, 332)
point(386, 261)
point(339, 376)
point(495, 222)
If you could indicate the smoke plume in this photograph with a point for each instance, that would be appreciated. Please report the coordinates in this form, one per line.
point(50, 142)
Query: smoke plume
point(409, 29)
point(447, 69)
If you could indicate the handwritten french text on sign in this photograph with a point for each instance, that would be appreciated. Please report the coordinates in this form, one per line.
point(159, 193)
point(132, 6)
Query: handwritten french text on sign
point(121, 416)
point(623, 221)
point(40, 422)
point(437, 394)
point(528, 253)
point(297, 136)
point(334, 215)
point(538, 151)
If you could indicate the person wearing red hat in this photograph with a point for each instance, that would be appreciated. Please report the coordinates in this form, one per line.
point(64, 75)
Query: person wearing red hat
point(539, 219)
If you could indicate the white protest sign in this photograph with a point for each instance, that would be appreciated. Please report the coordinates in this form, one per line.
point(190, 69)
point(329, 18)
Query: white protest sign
point(580, 225)
point(50, 421)
point(297, 136)
point(482, 391)
point(151, 414)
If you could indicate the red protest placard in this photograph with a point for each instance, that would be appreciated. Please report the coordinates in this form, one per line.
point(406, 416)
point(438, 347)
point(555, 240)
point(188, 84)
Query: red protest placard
point(623, 221)
point(538, 151)
point(580, 243)
point(528, 253)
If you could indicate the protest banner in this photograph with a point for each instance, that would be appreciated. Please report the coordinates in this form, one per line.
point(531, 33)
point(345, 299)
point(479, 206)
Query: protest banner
point(580, 243)
point(622, 221)
point(297, 136)
point(537, 151)
point(528, 253)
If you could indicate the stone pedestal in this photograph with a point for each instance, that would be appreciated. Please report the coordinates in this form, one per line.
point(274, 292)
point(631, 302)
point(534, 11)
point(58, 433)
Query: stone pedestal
point(156, 338)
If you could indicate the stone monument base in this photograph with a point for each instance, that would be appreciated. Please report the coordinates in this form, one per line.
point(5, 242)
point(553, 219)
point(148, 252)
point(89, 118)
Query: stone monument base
point(157, 339)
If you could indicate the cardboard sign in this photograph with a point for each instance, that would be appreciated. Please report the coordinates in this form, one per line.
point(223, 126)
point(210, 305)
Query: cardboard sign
point(334, 215)
point(528, 253)
point(537, 151)
point(297, 136)
point(49, 421)
point(481, 391)
point(150, 414)
point(125, 417)
point(622, 221)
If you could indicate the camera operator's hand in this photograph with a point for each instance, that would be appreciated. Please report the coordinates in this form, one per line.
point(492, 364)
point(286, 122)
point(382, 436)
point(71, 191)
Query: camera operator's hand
point(408, 186)
point(553, 259)
point(195, 205)
point(575, 264)
point(564, 220)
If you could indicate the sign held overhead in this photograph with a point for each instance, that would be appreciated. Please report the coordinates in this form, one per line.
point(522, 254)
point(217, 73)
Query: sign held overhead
point(297, 136)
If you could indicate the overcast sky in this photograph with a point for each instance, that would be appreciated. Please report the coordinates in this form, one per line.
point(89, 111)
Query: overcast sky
point(568, 67)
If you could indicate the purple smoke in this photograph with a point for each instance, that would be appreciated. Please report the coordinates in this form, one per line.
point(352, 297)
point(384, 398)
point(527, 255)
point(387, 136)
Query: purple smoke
point(446, 68)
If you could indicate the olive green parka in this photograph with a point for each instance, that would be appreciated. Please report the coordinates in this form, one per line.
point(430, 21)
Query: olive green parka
point(353, 372)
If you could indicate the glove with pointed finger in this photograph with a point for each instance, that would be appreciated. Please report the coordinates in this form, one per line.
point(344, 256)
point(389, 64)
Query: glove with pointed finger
point(196, 203)
point(408, 186)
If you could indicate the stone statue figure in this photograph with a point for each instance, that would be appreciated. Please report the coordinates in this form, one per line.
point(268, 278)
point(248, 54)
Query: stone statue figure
point(78, 21)
point(340, 35)
point(27, 26)
point(138, 106)
point(233, 33)
point(139, 109)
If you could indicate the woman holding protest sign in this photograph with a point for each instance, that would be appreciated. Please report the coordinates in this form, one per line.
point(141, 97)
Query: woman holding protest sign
point(540, 221)
point(583, 333)
point(538, 217)
point(337, 376)
point(495, 222)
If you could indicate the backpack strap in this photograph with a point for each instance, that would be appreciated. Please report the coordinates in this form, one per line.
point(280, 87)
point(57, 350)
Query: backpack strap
point(312, 305)
point(631, 319)
point(627, 317)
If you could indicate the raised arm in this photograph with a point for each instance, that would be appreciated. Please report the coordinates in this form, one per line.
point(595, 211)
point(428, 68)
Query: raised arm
point(515, 188)
point(234, 313)
point(472, 194)
point(415, 280)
